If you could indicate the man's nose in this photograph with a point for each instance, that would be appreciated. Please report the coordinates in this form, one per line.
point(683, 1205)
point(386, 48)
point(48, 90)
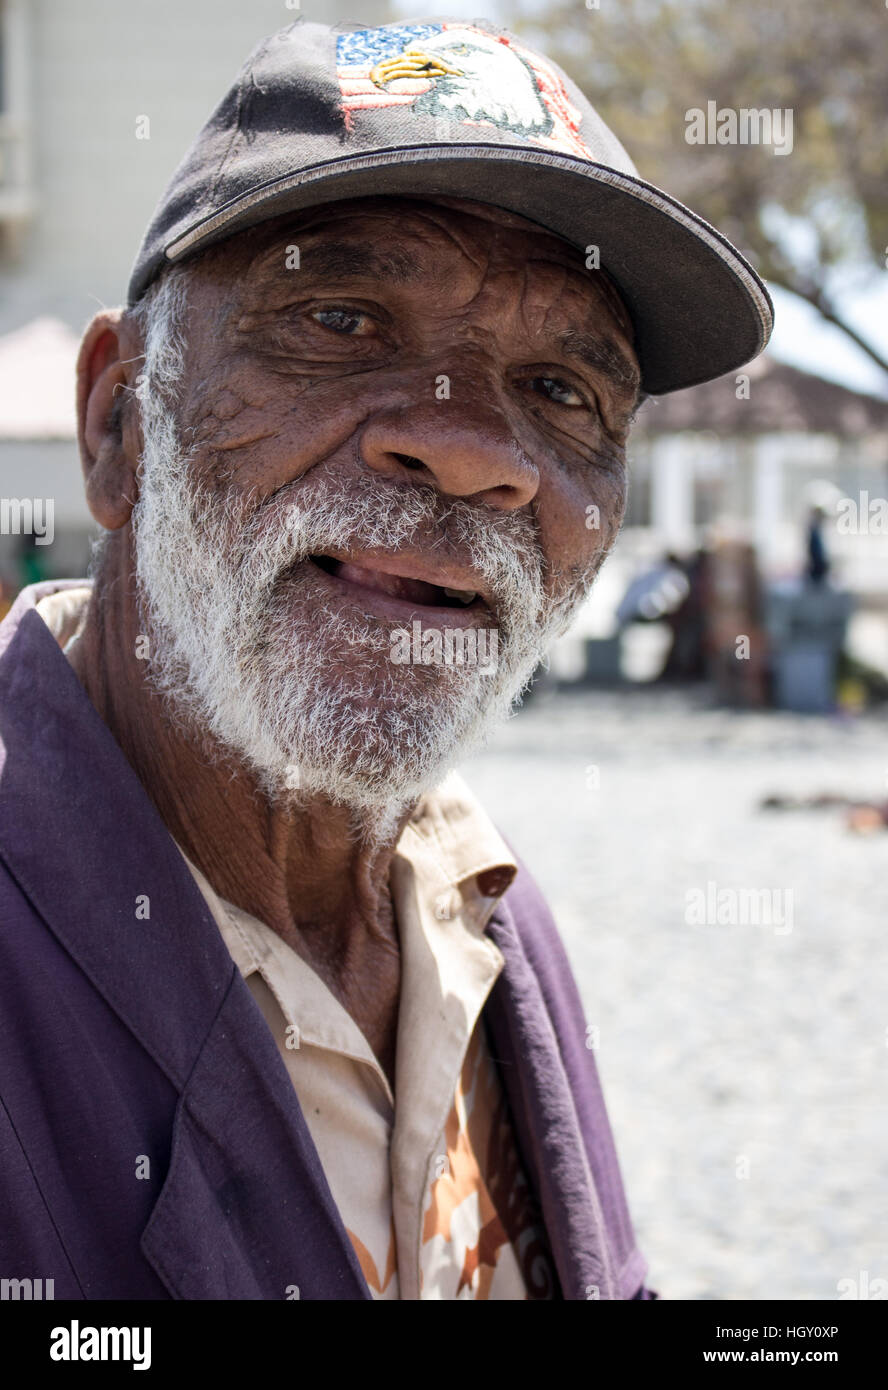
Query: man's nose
point(464, 447)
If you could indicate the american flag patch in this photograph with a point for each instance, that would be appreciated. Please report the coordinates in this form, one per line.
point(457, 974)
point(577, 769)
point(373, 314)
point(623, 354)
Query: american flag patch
point(459, 73)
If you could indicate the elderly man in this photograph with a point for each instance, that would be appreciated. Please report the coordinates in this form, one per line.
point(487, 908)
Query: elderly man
point(283, 1017)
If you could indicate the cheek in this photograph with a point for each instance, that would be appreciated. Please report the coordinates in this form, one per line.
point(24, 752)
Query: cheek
point(253, 430)
point(230, 409)
point(580, 515)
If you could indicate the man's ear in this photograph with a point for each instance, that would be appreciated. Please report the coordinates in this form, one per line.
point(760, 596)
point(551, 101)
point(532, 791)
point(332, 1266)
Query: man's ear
point(108, 429)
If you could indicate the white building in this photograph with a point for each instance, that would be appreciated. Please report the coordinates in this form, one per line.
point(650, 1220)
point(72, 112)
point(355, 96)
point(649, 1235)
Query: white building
point(748, 454)
point(743, 458)
point(99, 99)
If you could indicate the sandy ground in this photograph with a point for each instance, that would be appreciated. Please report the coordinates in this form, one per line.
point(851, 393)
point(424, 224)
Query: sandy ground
point(745, 1065)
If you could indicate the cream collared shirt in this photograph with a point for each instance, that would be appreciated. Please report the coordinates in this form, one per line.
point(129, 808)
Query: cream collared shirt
point(428, 1182)
point(413, 1175)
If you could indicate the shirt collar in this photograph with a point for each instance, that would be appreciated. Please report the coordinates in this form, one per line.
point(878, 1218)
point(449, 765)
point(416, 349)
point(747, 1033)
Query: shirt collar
point(64, 613)
point(456, 853)
point(456, 838)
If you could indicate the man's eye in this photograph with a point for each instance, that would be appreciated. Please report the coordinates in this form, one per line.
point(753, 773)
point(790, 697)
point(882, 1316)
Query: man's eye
point(350, 322)
point(556, 390)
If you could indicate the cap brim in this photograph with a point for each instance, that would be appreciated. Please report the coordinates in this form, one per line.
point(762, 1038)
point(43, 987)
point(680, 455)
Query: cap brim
point(698, 308)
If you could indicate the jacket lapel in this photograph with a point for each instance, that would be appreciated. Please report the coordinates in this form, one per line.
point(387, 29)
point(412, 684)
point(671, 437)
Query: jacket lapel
point(245, 1210)
point(545, 1118)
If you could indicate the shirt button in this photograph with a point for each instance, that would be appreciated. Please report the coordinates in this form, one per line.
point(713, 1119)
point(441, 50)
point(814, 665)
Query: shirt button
point(492, 882)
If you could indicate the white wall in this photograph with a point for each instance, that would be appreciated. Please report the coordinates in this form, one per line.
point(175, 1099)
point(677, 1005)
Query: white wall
point(95, 66)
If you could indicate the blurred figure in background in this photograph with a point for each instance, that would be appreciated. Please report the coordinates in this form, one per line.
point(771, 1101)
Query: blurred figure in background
point(686, 660)
point(818, 557)
point(736, 635)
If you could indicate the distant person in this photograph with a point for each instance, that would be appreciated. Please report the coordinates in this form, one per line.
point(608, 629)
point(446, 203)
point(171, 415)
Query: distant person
point(33, 561)
point(818, 558)
point(687, 656)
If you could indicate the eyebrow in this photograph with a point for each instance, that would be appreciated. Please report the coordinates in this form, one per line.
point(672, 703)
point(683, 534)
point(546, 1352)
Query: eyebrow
point(342, 260)
point(604, 356)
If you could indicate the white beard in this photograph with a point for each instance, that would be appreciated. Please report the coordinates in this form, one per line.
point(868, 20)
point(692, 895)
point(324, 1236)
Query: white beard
point(304, 692)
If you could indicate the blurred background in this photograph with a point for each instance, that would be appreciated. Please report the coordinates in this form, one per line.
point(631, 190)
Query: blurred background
point(717, 719)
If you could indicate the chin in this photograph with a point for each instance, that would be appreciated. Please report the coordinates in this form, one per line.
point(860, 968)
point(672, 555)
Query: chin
point(371, 742)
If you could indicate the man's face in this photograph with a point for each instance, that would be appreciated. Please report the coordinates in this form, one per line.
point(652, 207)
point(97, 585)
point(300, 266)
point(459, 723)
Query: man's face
point(391, 413)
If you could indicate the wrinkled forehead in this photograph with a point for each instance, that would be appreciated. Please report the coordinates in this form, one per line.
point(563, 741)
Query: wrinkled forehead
point(425, 232)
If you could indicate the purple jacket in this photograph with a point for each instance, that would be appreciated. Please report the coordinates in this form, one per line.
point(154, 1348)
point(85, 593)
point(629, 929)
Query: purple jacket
point(123, 1039)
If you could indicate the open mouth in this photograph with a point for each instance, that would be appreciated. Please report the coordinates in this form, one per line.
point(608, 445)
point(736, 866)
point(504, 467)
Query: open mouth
point(418, 593)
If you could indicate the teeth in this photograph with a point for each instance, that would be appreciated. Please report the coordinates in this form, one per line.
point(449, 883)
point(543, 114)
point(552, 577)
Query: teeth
point(465, 596)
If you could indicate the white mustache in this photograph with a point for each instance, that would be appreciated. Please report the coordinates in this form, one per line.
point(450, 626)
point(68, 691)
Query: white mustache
point(368, 514)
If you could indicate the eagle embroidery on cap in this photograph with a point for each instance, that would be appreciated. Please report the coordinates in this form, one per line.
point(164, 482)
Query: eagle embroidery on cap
point(462, 73)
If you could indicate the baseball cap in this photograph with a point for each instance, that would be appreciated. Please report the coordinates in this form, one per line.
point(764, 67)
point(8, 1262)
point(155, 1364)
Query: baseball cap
point(321, 113)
